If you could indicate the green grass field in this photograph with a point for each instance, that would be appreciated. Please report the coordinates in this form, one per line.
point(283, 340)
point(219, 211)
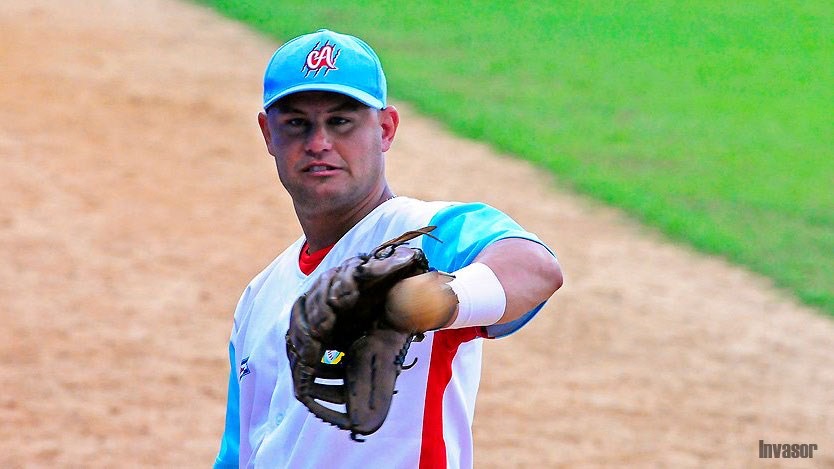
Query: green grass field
point(711, 121)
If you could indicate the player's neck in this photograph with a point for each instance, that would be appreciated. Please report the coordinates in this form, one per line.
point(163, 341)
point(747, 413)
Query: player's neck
point(323, 228)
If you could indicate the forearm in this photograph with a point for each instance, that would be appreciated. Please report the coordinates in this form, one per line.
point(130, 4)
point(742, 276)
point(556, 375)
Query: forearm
point(527, 271)
point(508, 279)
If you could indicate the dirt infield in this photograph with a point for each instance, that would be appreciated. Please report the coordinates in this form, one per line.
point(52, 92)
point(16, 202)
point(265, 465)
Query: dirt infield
point(138, 201)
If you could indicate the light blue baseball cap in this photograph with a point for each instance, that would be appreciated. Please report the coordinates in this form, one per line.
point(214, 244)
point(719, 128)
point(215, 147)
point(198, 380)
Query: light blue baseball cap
point(326, 61)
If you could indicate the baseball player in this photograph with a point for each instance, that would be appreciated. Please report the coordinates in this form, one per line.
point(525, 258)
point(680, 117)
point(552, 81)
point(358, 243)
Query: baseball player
point(327, 123)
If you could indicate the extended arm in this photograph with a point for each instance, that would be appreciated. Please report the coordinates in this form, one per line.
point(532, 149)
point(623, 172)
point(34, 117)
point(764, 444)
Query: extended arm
point(527, 271)
point(506, 280)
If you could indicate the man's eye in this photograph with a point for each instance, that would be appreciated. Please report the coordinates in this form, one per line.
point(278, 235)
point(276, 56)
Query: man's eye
point(338, 121)
point(294, 126)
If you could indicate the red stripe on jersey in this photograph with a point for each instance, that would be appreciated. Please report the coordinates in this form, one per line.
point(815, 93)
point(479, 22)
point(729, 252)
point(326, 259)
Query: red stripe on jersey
point(444, 347)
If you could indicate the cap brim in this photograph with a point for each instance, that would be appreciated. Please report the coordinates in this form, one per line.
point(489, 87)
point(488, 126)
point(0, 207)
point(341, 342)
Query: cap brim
point(354, 93)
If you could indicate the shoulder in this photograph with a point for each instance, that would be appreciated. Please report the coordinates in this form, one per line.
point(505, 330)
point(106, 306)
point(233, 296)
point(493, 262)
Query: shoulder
point(446, 215)
point(284, 265)
point(388, 221)
point(411, 211)
point(284, 261)
point(473, 214)
point(465, 229)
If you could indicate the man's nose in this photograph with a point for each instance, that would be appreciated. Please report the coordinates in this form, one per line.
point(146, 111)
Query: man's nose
point(318, 140)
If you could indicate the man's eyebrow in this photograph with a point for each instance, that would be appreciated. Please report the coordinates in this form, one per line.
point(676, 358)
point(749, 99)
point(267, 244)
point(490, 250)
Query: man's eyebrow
point(349, 105)
point(285, 108)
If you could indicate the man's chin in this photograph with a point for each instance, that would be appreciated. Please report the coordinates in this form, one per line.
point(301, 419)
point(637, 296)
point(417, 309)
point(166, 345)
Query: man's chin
point(326, 201)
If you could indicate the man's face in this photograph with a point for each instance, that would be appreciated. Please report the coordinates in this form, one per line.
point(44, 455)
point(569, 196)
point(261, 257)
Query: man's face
point(328, 148)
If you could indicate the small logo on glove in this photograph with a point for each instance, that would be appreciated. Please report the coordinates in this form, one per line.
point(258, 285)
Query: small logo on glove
point(332, 357)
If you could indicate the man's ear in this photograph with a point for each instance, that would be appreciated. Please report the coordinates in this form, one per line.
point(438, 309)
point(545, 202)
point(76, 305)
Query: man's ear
point(263, 122)
point(389, 120)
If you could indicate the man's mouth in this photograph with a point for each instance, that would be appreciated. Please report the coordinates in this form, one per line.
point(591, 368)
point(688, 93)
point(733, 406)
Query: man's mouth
point(319, 168)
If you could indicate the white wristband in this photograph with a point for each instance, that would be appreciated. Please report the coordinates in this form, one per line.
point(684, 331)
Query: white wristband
point(481, 298)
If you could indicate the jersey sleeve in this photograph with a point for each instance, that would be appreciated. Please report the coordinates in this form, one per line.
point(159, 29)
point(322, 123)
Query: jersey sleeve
point(464, 230)
point(227, 458)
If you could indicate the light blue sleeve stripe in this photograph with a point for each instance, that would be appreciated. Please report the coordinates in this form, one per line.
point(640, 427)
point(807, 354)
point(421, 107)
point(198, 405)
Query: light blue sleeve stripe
point(464, 230)
point(230, 444)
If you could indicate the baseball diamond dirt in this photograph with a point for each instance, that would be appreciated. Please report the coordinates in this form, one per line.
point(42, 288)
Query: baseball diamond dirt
point(138, 200)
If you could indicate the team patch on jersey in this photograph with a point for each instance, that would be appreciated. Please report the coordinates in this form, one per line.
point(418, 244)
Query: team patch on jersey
point(319, 58)
point(243, 370)
point(332, 357)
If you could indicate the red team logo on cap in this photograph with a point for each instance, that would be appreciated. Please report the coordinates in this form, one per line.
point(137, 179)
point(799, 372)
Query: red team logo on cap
point(323, 58)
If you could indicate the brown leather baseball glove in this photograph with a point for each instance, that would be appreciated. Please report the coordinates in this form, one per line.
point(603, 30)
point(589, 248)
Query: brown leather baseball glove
point(343, 311)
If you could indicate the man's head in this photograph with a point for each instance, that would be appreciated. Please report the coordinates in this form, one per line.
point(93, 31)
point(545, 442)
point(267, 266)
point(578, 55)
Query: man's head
point(327, 123)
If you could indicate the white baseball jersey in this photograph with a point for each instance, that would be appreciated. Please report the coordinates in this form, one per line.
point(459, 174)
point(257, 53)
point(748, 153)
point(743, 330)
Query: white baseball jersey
point(430, 420)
